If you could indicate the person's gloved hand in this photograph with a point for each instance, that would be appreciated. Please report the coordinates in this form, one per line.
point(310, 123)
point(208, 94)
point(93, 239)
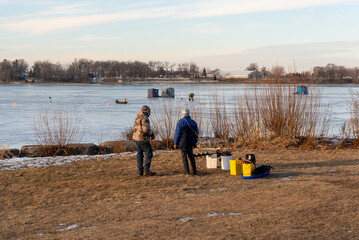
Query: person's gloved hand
point(175, 146)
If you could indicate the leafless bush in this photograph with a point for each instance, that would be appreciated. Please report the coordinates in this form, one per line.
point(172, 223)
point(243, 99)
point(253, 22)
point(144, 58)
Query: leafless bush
point(3, 152)
point(165, 114)
point(197, 114)
point(353, 124)
point(276, 115)
point(127, 134)
point(3, 146)
point(55, 130)
point(219, 119)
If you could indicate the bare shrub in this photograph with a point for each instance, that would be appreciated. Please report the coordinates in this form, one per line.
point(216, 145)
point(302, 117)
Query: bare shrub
point(353, 124)
point(127, 134)
point(275, 115)
point(4, 146)
point(55, 131)
point(166, 113)
point(197, 115)
point(4, 151)
point(219, 119)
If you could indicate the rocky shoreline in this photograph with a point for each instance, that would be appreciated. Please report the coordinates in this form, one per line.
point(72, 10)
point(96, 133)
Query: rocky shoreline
point(108, 147)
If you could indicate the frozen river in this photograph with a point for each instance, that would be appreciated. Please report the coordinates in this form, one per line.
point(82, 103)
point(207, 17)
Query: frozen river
point(103, 121)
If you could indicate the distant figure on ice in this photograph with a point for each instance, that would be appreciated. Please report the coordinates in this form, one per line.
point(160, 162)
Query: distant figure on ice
point(191, 97)
point(142, 135)
point(186, 138)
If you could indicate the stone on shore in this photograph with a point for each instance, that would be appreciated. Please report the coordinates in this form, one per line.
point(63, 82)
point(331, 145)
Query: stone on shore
point(71, 149)
point(9, 153)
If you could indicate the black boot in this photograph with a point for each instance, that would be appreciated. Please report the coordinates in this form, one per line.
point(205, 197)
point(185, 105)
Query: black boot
point(149, 173)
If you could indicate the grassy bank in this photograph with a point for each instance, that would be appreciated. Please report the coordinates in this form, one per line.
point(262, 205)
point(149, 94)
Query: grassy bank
point(308, 195)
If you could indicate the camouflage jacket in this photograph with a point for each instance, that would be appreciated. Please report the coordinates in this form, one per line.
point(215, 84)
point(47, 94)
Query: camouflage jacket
point(142, 130)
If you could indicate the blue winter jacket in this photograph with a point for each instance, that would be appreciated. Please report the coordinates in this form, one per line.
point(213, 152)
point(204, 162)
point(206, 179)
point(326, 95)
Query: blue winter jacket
point(186, 134)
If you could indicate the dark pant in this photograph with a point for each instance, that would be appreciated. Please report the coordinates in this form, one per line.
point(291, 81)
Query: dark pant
point(188, 152)
point(143, 147)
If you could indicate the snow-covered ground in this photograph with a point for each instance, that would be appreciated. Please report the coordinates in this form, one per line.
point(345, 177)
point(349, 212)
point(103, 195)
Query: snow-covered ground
point(19, 163)
point(25, 162)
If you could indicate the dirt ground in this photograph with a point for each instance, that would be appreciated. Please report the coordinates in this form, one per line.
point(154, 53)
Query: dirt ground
point(309, 195)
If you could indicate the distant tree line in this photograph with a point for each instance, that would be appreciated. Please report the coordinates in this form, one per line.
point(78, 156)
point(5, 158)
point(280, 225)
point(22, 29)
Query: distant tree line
point(12, 70)
point(84, 70)
point(331, 73)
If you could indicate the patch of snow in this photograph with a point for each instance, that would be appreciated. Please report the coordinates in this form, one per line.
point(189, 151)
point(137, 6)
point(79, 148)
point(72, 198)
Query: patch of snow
point(26, 162)
point(85, 228)
point(212, 214)
point(286, 178)
point(233, 213)
point(72, 227)
point(164, 151)
point(183, 220)
point(218, 189)
point(210, 149)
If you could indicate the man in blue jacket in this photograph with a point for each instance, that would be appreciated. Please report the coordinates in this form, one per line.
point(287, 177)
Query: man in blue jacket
point(186, 138)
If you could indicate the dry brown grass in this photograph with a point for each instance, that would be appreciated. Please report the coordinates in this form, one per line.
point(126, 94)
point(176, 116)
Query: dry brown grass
point(4, 153)
point(309, 195)
point(276, 116)
point(127, 134)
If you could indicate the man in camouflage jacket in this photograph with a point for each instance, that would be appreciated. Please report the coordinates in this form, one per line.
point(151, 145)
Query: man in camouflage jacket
point(142, 135)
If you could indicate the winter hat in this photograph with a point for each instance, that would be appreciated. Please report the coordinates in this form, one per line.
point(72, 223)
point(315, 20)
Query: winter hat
point(146, 109)
point(185, 112)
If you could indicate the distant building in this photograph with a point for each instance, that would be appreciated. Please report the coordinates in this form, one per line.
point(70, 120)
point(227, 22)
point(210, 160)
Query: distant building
point(228, 75)
point(24, 75)
point(97, 79)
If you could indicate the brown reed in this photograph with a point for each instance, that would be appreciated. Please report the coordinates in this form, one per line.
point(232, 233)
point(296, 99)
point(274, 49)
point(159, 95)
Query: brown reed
point(165, 115)
point(276, 115)
point(353, 123)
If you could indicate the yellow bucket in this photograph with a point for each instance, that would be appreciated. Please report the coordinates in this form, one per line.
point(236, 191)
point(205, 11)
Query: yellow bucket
point(235, 167)
point(247, 169)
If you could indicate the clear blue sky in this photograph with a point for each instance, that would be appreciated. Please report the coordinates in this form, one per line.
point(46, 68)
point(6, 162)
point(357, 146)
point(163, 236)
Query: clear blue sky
point(229, 34)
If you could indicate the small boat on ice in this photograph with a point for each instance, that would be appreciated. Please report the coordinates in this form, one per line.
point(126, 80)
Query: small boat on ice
point(124, 101)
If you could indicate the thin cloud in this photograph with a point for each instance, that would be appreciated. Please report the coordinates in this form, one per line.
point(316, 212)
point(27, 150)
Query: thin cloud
point(15, 47)
point(43, 25)
point(76, 15)
point(306, 55)
point(205, 28)
point(69, 9)
point(233, 7)
point(88, 38)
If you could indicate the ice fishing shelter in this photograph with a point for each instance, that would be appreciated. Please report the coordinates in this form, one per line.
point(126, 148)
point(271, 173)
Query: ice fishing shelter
point(302, 90)
point(168, 93)
point(152, 93)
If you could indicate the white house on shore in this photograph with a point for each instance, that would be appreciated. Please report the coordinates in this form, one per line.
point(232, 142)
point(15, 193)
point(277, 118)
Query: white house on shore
point(227, 75)
point(241, 74)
